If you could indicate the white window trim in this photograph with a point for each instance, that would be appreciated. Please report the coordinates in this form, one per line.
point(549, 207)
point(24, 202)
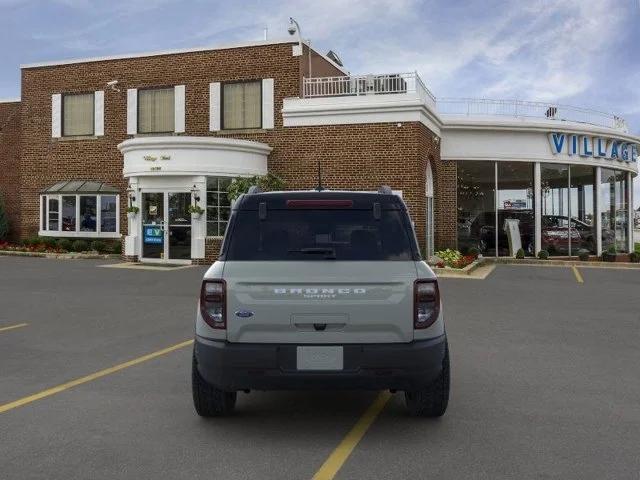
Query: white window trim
point(78, 233)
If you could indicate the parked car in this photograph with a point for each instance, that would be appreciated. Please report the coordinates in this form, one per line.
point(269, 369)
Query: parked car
point(320, 290)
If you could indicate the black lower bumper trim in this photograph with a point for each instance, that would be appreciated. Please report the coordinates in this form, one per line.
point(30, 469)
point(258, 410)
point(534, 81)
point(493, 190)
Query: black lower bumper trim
point(239, 366)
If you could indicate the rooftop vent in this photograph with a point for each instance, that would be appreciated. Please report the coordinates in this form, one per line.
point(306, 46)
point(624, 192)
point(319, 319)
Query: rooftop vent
point(334, 57)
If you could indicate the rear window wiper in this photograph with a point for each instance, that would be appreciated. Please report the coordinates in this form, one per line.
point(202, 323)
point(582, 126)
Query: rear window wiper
point(329, 253)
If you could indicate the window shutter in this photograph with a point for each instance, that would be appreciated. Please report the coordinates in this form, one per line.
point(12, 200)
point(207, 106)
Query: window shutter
point(132, 111)
point(267, 103)
point(214, 107)
point(56, 115)
point(179, 110)
point(98, 111)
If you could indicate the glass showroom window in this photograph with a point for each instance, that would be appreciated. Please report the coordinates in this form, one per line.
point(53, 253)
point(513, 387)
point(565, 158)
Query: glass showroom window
point(78, 215)
point(568, 206)
point(77, 114)
point(582, 205)
point(477, 206)
point(554, 181)
point(156, 110)
point(614, 208)
point(218, 205)
point(242, 105)
point(516, 219)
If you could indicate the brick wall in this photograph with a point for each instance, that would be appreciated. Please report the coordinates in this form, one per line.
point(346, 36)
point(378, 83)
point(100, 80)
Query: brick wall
point(9, 164)
point(45, 161)
point(354, 157)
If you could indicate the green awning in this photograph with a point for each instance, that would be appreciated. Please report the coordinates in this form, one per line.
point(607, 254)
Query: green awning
point(81, 186)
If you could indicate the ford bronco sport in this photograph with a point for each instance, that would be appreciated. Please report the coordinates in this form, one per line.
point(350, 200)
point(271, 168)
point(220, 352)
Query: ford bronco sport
point(320, 290)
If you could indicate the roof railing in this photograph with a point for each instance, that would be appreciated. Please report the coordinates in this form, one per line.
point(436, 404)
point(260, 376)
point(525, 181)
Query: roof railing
point(357, 85)
point(526, 109)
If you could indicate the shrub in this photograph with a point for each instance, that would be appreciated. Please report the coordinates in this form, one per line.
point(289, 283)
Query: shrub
point(474, 251)
point(116, 248)
point(98, 246)
point(49, 242)
point(64, 244)
point(634, 257)
point(4, 221)
point(543, 254)
point(79, 246)
point(583, 255)
point(520, 253)
point(449, 256)
point(31, 241)
point(267, 183)
point(611, 249)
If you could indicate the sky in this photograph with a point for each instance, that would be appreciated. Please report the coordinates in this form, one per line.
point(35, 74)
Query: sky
point(577, 52)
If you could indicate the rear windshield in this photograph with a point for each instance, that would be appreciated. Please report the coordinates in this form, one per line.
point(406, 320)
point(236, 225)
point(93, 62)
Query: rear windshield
point(319, 235)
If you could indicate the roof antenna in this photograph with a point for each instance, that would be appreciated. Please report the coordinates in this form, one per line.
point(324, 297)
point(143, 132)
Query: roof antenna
point(320, 187)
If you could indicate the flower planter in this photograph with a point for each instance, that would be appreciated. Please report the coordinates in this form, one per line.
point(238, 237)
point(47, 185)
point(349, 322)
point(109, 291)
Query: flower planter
point(131, 215)
point(196, 216)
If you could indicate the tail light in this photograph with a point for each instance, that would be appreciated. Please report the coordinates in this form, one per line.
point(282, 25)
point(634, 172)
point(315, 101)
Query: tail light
point(426, 303)
point(213, 303)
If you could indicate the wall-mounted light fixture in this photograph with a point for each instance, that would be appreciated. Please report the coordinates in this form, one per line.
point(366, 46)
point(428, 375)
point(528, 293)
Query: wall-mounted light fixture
point(132, 193)
point(196, 193)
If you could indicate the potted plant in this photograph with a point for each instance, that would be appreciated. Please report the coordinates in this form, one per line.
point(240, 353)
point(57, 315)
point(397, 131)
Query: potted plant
point(543, 255)
point(132, 211)
point(196, 211)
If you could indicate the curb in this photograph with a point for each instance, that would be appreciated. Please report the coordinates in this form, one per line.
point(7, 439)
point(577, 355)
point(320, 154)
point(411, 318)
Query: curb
point(461, 272)
point(61, 256)
point(565, 263)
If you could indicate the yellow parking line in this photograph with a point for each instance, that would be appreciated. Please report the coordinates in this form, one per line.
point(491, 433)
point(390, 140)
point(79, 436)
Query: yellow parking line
point(94, 376)
point(577, 274)
point(11, 327)
point(337, 458)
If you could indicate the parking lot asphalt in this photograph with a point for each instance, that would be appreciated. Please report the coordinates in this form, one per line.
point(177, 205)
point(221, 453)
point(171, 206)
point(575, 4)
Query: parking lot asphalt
point(545, 384)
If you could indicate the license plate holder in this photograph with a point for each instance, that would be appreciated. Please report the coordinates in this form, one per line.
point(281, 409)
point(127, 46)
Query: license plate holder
point(327, 358)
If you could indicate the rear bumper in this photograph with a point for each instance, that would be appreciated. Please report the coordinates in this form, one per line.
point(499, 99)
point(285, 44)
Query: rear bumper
point(238, 366)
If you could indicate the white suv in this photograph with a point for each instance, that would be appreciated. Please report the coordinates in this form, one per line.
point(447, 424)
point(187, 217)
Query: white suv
point(320, 290)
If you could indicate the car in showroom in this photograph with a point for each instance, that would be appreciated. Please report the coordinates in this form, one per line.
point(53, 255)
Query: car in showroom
point(320, 290)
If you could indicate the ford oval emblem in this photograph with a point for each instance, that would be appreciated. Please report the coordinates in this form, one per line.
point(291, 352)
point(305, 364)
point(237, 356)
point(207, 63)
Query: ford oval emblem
point(244, 314)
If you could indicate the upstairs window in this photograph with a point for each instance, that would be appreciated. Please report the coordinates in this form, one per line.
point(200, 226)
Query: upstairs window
point(78, 114)
point(156, 110)
point(242, 105)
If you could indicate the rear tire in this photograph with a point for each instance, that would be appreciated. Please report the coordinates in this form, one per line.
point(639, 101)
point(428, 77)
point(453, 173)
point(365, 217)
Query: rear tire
point(432, 400)
point(208, 400)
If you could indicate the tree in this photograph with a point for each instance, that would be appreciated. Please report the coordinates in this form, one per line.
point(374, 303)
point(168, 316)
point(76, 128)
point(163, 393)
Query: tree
point(4, 220)
point(266, 183)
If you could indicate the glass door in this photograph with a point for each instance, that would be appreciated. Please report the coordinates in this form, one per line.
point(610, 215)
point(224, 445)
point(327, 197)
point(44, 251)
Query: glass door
point(153, 226)
point(179, 226)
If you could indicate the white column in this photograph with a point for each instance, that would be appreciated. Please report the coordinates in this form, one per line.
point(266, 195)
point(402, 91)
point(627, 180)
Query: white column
point(598, 214)
point(131, 241)
point(199, 225)
point(537, 206)
point(630, 211)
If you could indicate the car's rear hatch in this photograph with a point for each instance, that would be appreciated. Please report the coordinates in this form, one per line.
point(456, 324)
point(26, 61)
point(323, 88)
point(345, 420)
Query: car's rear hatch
point(318, 267)
point(319, 302)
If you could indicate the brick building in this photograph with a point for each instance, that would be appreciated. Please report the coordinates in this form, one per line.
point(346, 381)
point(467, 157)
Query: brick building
point(162, 131)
